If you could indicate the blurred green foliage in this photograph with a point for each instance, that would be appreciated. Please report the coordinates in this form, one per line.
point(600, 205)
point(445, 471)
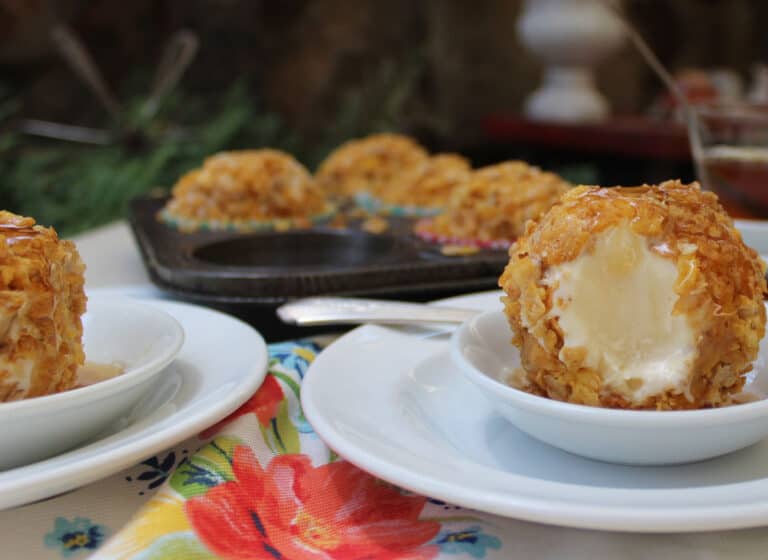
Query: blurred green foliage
point(75, 187)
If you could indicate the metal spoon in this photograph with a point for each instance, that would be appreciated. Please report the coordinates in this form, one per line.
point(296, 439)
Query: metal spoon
point(335, 310)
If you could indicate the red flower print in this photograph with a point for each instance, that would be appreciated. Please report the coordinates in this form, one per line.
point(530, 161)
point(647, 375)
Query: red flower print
point(294, 510)
point(264, 403)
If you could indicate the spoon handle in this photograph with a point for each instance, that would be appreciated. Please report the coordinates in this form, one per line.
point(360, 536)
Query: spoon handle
point(335, 310)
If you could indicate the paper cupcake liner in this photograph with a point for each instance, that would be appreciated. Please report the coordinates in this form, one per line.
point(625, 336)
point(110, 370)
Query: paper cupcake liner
point(375, 205)
point(423, 232)
point(242, 226)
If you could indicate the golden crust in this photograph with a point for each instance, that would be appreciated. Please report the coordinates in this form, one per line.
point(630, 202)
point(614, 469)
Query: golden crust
point(248, 185)
point(41, 303)
point(720, 289)
point(428, 184)
point(368, 164)
point(495, 203)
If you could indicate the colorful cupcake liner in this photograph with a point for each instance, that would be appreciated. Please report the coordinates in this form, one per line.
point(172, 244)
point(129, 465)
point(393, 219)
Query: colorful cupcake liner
point(242, 226)
point(374, 205)
point(422, 230)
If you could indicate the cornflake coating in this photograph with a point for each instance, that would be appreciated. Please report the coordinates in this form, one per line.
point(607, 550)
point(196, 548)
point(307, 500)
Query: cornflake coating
point(41, 304)
point(428, 184)
point(368, 164)
point(694, 282)
point(245, 190)
point(494, 204)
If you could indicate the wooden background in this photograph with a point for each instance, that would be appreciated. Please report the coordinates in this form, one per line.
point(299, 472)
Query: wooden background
point(302, 55)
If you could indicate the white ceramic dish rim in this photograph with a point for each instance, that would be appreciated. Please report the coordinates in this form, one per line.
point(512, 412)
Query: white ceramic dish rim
point(571, 513)
point(755, 234)
point(562, 505)
point(107, 387)
point(595, 415)
point(103, 458)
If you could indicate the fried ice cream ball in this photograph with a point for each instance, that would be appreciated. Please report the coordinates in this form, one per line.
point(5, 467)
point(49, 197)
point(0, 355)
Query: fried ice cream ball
point(493, 205)
point(246, 190)
point(368, 164)
point(429, 184)
point(41, 303)
point(636, 298)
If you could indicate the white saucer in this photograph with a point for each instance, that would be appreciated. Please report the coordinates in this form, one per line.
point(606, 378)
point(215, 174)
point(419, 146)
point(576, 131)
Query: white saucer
point(220, 365)
point(390, 401)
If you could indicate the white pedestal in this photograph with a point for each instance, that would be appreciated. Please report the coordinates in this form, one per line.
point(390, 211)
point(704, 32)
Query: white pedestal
point(570, 36)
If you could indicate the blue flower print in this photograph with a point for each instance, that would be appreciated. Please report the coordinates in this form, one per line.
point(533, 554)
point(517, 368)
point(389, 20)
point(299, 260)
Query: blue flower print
point(471, 541)
point(294, 356)
point(71, 537)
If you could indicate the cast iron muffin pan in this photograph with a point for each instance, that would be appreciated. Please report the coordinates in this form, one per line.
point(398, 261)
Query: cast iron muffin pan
point(247, 273)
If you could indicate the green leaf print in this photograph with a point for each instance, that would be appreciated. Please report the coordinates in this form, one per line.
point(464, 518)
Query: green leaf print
point(285, 433)
point(296, 391)
point(209, 467)
point(288, 381)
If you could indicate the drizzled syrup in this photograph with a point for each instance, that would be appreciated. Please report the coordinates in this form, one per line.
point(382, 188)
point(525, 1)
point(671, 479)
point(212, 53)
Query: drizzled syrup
point(14, 233)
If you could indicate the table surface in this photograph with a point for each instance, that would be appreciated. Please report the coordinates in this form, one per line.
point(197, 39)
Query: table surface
point(112, 260)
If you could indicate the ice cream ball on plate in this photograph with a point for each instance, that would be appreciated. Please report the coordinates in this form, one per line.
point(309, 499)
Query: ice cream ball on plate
point(42, 300)
point(635, 298)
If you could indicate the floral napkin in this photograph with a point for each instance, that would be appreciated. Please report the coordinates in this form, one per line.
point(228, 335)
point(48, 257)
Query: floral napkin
point(259, 484)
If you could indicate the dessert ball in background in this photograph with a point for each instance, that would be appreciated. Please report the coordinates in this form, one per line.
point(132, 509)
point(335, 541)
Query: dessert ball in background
point(493, 205)
point(246, 190)
point(423, 189)
point(368, 164)
point(41, 303)
point(643, 298)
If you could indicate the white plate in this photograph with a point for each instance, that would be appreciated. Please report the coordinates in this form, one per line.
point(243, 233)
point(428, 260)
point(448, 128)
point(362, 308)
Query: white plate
point(142, 339)
point(391, 401)
point(220, 365)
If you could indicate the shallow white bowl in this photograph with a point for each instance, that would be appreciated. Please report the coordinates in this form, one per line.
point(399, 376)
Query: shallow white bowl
point(141, 338)
point(481, 347)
